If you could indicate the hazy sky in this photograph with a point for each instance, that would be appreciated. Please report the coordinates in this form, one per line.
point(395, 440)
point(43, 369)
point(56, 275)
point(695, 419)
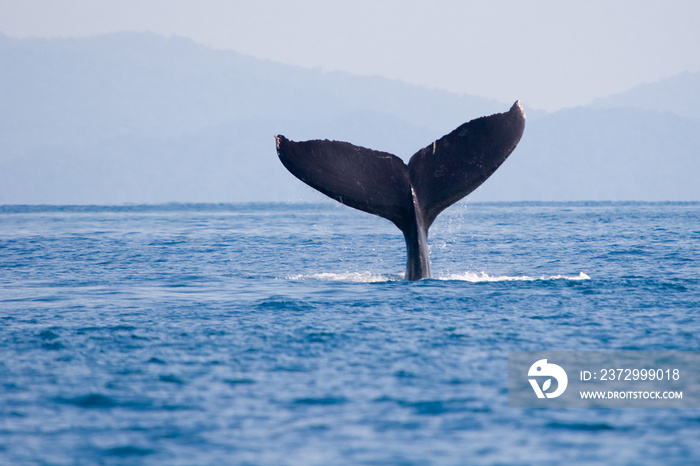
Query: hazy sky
point(549, 53)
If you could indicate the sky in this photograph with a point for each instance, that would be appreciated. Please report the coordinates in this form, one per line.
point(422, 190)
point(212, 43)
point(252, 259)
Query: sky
point(551, 54)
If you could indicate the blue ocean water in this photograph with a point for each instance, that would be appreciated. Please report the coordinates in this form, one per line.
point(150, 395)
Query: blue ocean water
point(284, 334)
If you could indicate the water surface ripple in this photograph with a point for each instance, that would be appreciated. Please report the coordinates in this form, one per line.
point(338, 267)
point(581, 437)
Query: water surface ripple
point(284, 334)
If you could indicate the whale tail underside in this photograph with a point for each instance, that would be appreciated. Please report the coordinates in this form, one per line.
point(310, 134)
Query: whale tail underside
point(411, 196)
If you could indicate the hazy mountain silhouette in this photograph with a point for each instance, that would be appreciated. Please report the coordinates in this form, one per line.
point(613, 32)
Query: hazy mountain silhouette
point(602, 154)
point(679, 94)
point(142, 118)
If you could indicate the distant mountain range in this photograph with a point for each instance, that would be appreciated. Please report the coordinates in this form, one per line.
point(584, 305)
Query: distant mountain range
point(140, 118)
point(679, 94)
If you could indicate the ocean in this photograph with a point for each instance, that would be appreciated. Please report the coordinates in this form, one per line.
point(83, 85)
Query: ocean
point(285, 334)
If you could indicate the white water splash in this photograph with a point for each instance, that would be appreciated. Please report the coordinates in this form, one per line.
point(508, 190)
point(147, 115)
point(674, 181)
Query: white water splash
point(355, 277)
point(473, 277)
point(484, 277)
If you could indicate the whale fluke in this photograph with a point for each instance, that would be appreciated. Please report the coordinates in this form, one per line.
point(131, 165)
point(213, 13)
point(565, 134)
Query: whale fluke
point(411, 196)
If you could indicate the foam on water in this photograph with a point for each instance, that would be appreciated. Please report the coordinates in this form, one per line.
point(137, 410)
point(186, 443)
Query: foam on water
point(355, 277)
point(484, 277)
point(472, 277)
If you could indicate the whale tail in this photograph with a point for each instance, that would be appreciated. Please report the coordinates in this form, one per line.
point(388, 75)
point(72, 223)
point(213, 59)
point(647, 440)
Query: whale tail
point(411, 196)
